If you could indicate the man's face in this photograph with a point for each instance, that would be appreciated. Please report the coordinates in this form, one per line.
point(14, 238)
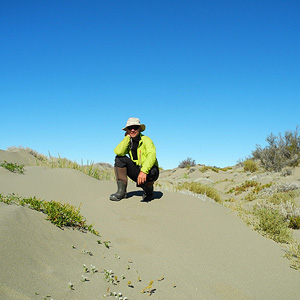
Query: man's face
point(133, 130)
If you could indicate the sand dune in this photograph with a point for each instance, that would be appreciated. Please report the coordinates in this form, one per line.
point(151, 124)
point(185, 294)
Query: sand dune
point(198, 249)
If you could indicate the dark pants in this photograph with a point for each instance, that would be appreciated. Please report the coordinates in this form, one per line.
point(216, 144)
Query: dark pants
point(133, 170)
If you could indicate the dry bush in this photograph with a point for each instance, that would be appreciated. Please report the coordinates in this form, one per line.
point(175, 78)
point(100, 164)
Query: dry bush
point(187, 163)
point(282, 151)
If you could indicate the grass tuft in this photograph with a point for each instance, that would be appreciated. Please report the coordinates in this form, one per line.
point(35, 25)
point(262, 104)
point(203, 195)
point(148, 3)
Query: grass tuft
point(198, 188)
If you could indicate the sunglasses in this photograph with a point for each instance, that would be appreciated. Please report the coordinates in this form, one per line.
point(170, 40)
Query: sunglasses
point(135, 127)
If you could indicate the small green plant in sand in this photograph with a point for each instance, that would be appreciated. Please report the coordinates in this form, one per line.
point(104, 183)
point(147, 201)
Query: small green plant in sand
point(185, 176)
point(13, 167)
point(60, 214)
point(198, 188)
point(110, 277)
point(71, 286)
point(115, 295)
point(87, 252)
point(148, 289)
point(106, 244)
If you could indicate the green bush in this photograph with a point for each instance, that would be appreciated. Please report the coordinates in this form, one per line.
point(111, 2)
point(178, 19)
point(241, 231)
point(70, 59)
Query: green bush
point(273, 225)
point(250, 165)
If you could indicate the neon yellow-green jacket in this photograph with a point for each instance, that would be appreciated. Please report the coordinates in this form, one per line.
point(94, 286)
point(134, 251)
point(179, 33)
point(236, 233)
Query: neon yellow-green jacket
point(146, 152)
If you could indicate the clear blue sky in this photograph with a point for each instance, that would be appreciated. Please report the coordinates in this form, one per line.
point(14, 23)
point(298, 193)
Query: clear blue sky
point(210, 79)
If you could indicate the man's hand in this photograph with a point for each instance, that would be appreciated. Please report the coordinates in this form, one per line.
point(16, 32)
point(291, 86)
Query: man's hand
point(141, 178)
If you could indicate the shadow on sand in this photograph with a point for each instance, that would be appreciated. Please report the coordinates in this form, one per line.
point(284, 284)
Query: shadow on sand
point(156, 195)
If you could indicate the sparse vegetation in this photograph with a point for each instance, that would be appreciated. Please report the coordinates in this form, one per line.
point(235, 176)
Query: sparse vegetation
point(60, 214)
point(206, 168)
point(13, 167)
point(243, 187)
point(89, 169)
point(187, 163)
point(199, 188)
point(293, 254)
point(215, 169)
point(281, 151)
point(283, 197)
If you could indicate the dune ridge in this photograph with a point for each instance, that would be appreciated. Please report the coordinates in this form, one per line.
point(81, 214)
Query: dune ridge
point(191, 249)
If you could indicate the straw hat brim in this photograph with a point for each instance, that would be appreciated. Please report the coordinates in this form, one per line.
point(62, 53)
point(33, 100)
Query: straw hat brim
point(142, 127)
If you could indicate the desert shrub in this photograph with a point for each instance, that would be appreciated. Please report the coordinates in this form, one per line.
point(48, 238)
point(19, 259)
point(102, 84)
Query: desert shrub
point(286, 172)
point(13, 167)
point(288, 210)
point(280, 188)
point(284, 197)
point(198, 188)
point(272, 224)
point(281, 151)
point(187, 163)
point(250, 165)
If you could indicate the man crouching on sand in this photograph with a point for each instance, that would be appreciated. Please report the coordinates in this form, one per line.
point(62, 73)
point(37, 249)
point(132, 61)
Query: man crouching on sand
point(141, 166)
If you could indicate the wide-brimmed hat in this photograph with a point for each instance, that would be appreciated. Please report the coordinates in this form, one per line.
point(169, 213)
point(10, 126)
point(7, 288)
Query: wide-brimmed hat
point(132, 122)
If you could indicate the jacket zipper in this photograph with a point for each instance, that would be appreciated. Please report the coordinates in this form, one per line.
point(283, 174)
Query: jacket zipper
point(140, 158)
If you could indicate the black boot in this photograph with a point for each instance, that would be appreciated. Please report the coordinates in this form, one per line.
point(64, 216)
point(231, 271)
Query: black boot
point(148, 193)
point(120, 194)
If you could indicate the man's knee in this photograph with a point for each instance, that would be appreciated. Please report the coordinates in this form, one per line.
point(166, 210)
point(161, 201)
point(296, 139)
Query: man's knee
point(153, 174)
point(121, 161)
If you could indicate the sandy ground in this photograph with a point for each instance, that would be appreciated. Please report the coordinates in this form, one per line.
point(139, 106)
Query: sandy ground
point(191, 249)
